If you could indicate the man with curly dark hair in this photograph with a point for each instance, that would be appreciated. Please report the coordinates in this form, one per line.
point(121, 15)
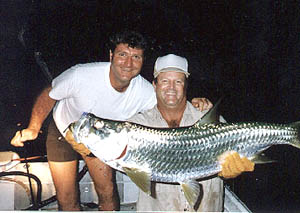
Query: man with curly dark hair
point(113, 90)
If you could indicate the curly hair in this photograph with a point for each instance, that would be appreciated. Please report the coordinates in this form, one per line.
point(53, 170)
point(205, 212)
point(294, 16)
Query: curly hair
point(132, 38)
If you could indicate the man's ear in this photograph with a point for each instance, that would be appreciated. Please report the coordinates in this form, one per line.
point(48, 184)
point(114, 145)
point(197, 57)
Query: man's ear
point(153, 84)
point(110, 55)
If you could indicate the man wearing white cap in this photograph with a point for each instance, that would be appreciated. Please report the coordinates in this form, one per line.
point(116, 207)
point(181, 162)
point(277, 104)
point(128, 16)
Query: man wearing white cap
point(173, 110)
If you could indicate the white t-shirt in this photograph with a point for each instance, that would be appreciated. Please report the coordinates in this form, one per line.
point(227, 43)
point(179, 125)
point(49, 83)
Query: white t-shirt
point(87, 88)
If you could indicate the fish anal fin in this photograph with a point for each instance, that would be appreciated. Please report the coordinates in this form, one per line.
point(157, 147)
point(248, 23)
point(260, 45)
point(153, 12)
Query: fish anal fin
point(140, 178)
point(192, 191)
point(261, 158)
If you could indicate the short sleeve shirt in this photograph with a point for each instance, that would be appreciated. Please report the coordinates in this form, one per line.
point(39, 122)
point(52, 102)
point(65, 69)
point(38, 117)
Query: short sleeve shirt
point(87, 88)
point(170, 197)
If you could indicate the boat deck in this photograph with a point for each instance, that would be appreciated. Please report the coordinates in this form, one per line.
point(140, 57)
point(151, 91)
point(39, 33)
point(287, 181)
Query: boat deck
point(15, 191)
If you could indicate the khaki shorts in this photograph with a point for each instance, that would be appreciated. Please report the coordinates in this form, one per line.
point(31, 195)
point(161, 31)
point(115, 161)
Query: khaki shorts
point(58, 149)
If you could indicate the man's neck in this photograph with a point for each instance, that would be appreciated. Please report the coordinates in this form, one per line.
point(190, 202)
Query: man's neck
point(172, 116)
point(119, 88)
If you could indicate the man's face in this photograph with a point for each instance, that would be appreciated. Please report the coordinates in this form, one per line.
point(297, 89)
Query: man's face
point(126, 63)
point(170, 89)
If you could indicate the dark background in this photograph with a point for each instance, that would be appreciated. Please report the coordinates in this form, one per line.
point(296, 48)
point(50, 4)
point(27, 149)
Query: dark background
point(248, 51)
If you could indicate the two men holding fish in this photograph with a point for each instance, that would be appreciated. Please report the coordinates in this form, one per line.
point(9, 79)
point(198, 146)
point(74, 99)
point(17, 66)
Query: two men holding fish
point(157, 154)
point(113, 90)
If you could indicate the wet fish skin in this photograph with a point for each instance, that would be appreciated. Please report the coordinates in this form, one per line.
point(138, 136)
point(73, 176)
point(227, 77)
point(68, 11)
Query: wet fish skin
point(186, 145)
point(177, 154)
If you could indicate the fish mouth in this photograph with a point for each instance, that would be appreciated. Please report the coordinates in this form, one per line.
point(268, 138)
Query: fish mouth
point(78, 126)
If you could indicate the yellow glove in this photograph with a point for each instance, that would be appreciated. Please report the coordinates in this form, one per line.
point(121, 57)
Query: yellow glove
point(233, 165)
point(79, 147)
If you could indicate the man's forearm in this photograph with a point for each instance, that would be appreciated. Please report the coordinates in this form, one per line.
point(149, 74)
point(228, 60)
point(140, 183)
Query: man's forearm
point(41, 108)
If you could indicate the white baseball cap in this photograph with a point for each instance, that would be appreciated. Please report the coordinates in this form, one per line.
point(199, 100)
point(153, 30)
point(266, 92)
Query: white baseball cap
point(171, 62)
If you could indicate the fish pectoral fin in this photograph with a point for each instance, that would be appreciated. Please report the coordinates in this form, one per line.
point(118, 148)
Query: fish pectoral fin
point(140, 178)
point(191, 190)
point(261, 158)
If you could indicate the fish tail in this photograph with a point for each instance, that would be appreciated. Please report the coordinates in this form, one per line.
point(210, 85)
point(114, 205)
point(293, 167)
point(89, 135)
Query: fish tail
point(296, 142)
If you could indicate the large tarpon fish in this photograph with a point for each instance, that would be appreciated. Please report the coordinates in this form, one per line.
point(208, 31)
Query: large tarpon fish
point(177, 155)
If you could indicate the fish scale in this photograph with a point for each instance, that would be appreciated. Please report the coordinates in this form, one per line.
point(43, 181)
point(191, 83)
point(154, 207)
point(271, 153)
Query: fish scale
point(177, 155)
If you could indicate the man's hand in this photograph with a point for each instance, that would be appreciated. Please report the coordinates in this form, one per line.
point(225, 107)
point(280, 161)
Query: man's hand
point(23, 136)
point(233, 165)
point(79, 147)
point(202, 104)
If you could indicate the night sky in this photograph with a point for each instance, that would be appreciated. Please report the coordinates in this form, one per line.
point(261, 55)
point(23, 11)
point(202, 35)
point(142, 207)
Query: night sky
point(246, 51)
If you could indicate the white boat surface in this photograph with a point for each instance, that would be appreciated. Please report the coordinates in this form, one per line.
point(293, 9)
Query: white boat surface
point(15, 190)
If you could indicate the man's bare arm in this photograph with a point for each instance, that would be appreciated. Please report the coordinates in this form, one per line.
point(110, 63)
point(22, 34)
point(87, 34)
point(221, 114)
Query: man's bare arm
point(41, 108)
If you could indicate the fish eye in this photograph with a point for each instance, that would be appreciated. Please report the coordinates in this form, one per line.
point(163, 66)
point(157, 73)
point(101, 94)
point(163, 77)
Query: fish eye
point(99, 124)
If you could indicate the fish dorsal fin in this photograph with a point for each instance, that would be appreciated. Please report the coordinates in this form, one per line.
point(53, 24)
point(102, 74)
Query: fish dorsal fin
point(211, 116)
point(191, 190)
point(140, 178)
